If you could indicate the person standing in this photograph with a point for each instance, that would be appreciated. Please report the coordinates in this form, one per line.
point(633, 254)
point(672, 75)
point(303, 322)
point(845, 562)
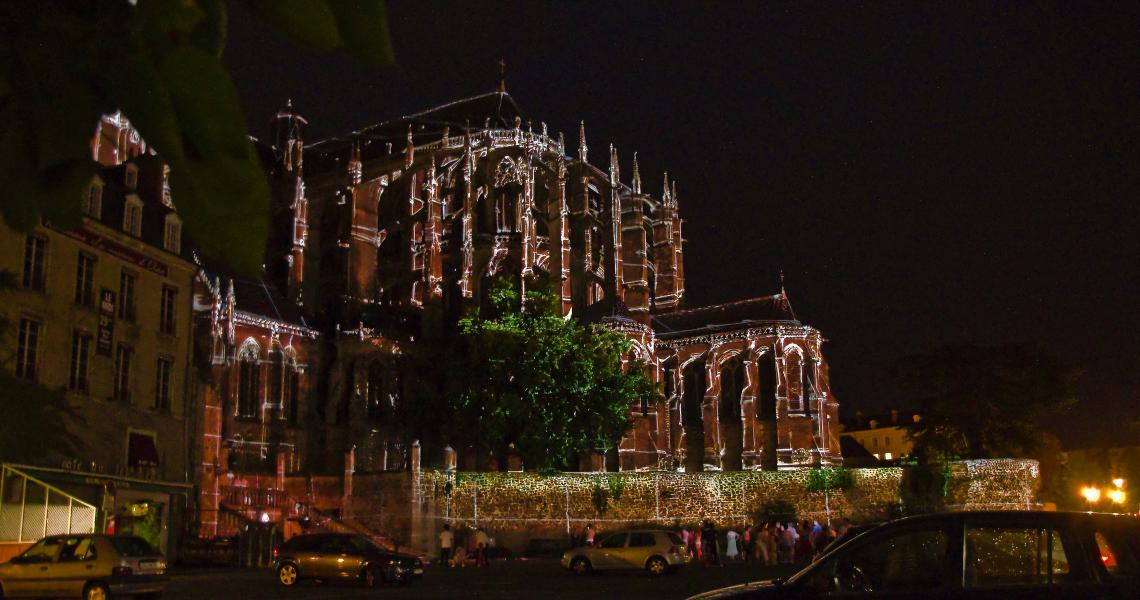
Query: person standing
point(590, 533)
point(481, 543)
point(731, 545)
point(687, 540)
point(711, 545)
point(446, 543)
point(748, 539)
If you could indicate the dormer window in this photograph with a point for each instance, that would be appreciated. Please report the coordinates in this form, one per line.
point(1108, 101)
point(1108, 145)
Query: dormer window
point(172, 236)
point(131, 179)
point(92, 203)
point(132, 215)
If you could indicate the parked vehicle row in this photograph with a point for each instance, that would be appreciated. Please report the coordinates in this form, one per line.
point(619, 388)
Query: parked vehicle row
point(983, 555)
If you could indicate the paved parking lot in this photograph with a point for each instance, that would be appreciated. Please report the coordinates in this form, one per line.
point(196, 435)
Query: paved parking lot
point(509, 579)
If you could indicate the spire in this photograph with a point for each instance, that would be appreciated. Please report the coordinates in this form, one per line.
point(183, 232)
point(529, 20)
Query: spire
point(783, 292)
point(502, 76)
point(615, 175)
point(636, 175)
point(410, 149)
point(673, 194)
point(666, 193)
point(562, 142)
point(582, 149)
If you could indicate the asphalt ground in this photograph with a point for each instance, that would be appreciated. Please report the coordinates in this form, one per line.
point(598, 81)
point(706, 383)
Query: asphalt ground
point(503, 579)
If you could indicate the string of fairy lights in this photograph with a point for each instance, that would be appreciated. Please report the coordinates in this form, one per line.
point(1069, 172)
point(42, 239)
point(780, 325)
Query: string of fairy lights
point(523, 500)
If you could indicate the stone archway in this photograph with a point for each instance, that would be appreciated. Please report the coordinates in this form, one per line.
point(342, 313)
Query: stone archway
point(692, 420)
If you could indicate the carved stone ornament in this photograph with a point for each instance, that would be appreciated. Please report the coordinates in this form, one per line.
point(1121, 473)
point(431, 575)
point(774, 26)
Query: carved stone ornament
point(506, 172)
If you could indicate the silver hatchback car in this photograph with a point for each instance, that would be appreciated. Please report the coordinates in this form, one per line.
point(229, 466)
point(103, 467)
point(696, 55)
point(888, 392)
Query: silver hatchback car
point(88, 566)
point(658, 552)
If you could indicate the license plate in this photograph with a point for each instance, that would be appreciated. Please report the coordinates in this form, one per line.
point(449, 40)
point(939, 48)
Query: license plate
point(418, 571)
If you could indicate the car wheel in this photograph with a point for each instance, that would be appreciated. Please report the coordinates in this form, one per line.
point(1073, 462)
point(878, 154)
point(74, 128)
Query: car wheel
point(287, 574)
point(96, 591)
point(373, 577)
point(580, 565)
point(656, 566)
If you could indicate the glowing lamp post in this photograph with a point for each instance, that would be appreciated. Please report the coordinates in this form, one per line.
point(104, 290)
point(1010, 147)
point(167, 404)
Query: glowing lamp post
point(1117, 496)
point(1091, 494)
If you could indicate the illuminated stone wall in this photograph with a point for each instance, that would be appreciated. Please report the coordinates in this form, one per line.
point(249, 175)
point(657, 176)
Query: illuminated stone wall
point(518, 505)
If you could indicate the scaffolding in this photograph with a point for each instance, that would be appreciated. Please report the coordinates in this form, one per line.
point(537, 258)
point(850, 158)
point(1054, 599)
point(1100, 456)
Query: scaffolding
point(31, 509)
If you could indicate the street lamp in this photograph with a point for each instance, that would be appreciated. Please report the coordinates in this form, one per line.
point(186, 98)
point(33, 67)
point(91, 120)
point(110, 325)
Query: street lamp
point(1118, 482)
point(1117, 496)
point(1091, 494)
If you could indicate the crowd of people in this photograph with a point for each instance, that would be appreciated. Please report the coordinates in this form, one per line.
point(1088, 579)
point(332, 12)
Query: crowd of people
point(454, 549)
point(769, 543)
point(766, 544)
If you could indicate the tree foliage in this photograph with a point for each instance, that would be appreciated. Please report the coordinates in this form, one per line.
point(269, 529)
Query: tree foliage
point(522, 376)
point(982, 402)
point(64, 63)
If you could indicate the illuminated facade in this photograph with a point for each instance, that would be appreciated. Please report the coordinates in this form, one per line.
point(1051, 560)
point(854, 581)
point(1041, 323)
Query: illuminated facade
point(383, 237)
point(103, 311)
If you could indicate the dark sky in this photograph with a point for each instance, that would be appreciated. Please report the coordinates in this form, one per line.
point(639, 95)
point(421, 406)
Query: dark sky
point(923, 174)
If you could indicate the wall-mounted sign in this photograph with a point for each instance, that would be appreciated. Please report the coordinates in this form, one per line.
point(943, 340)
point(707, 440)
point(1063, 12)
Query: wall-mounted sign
point(104, 341)
point(118, 250)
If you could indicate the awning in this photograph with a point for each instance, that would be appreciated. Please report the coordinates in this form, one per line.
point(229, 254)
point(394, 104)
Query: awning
point(141, 451)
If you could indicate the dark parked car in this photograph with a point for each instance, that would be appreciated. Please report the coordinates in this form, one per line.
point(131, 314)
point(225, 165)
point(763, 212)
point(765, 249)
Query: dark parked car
point(343, 557)
point(999, 555)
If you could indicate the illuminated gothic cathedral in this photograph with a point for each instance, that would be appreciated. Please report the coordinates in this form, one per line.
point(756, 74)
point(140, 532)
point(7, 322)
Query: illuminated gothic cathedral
point(382, 237)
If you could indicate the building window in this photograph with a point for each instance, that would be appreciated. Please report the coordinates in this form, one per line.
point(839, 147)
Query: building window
point(172, 235)
point(85, 280)
point(163, 370)
point(166, 310)
point(249, 381)
point(92, 203)
point(131, 178)
point(35, 249)
point(80, 358)
point(132, 216)
point(127, 282)
point(27, 349)
point(124, 356)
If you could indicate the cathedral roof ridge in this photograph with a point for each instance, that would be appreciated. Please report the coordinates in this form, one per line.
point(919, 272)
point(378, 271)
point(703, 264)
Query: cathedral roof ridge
point(760, 309)
point(708, 307)
point(445, 114)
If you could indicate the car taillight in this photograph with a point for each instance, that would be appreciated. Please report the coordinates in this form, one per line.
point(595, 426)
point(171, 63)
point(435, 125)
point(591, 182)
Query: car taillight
point(121, 571)
point(275, 553)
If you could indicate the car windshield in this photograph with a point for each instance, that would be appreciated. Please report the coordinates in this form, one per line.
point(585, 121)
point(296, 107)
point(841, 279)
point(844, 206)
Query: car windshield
point(362, 544)
point(132, 546)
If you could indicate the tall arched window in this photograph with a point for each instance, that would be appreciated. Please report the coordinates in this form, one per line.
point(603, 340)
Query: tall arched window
point(290, 409)
point(793, 373)
point(276, 380)
point(249, 379)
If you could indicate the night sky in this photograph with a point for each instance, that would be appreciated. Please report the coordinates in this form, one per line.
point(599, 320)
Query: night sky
point(923, 174)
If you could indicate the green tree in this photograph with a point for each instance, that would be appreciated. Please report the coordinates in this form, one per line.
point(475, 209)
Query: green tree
point(521, 376)
point(63, 63)
point(981, 402)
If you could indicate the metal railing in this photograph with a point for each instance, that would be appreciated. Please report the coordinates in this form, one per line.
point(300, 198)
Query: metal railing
point(31, 509)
